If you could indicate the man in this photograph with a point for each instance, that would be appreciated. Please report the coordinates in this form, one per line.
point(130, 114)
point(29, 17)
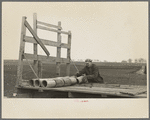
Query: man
point(90, 72)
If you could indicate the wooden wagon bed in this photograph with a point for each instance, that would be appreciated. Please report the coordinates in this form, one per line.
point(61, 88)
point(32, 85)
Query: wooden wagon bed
point(93, 90)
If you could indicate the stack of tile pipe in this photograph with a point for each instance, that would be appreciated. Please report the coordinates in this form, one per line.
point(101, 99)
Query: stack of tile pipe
point(55, 82)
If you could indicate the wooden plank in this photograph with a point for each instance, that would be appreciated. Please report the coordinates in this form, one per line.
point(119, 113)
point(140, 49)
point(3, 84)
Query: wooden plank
point(58, 68)
point(72, 89)
point(101, 89)
point(68, 69)
point(40, 69)
point(36, 38)
point(49, 25)
point(45, 58)
point(108, 91)
point(89, 91)
point(52, 30)
point(131, 86)
point(141, 95)
point(35, 48)
point(68, 54)
point(135, 91)
point(58, 51)
point(24, 95)
point(99, 85)
point(82, 95)
point(21, 51)
point(46, 42)
point(37, 64)
point(63, 32)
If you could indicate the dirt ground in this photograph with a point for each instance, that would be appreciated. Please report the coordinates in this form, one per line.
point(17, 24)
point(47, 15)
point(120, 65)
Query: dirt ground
point(117, 74)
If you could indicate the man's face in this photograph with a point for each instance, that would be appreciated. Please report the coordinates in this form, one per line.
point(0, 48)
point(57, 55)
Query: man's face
point(88, 64)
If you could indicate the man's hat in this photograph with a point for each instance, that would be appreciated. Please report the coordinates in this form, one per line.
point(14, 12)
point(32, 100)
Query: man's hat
point(88, 60)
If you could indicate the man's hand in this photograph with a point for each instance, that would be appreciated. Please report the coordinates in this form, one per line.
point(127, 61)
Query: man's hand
point(77, 74)
point(85, 80)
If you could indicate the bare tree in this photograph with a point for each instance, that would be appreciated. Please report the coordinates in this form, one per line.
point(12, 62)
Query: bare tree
point(130, 60)
point(141, 60)
point(136, 61)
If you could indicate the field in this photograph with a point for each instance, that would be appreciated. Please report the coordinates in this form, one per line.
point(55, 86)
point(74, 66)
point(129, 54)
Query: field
point(113, 73)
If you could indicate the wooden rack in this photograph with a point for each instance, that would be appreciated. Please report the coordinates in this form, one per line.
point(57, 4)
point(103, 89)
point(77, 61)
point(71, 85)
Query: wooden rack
point(42, 42)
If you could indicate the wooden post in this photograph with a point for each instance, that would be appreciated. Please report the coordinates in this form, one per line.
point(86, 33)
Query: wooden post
point(37, 64)
point(68, 54)
point(40, 69)
point(21, 51)
point(58, 50)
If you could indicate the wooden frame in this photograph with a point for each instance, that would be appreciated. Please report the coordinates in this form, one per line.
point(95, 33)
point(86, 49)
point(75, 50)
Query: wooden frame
point(42, 42)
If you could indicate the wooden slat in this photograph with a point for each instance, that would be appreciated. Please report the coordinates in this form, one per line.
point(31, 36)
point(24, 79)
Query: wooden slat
point(36, 38)
point(52, 30)
point(21, 51)
point(37, 64)
point(68, 69)
point(58, 51)
point(68, 54)
point(89, 91)
point(49, 25)
point(82, 95)
point(108, 90)
point(40, 69)
point(95, 90)
point(35, 48)
point(132, 86)
point(46, 42)
point(45, 58)
point(35, 30)
point(63, 32)
point(134, 91)
point(99, 85)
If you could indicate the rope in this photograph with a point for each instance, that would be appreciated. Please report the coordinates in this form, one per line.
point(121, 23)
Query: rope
point(27, 72)
point(31, 67)
point(74, 65)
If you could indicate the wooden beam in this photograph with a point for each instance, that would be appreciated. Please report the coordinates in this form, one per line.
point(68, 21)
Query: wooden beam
point(40, 69)
point(36, 38)
point(21, 51)
point(45, 58)
point(46, 42)
point(35, 30)
point(83, 95)
point(63, 32)
point(68, 54)
point(35, 48)
point(88, 90)
point(49, 25)
point(58, 51)
point(37, 64)
point(52, 30)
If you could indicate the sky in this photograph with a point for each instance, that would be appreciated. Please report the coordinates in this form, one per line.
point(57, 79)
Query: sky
point(112, 31)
